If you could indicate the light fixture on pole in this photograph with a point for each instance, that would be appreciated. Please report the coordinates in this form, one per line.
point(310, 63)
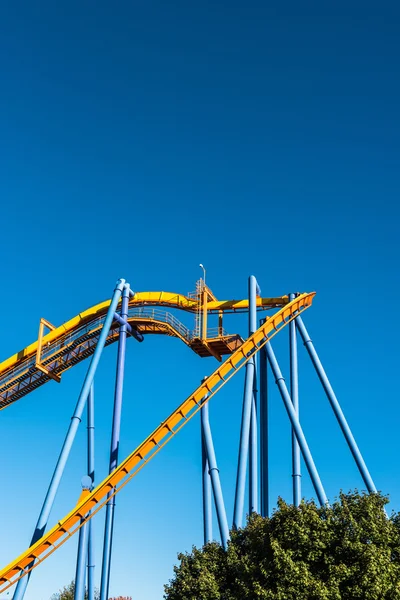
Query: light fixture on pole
point(204, 271)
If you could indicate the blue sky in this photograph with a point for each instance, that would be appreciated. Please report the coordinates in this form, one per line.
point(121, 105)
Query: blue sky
point(140, 139)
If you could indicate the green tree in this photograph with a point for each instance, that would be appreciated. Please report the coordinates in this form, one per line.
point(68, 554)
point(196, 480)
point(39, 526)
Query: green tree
point(67, 593)
point(349, 551)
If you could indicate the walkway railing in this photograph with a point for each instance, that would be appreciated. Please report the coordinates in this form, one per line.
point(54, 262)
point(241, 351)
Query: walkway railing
point(155, 314)
point(64, 348)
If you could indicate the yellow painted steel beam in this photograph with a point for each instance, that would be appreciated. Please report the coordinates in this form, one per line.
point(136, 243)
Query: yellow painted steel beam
point(190, 304)
point(88, 506)
point(38, 364)
point(169, 299)
point(151, 325)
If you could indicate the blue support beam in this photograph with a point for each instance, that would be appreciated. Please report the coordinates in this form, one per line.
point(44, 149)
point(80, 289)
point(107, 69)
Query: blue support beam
point(79, 592)
point(215, 480)
point(308, 459)
point(90, 469)
point(73, 427)
point(91, 562)
point(244, 446)
point(294, 393)
point(264, 475)
point(248, 416)
point(116, 427)
point(253, 444)
point(80, 574)
point(362, 467)
point(206, 483)
point(253, 449)
point(85, 532)
point(131, 330)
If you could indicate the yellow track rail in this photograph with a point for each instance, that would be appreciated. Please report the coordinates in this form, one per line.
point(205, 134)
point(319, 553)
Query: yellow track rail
point(141, 299)
point(90, 504)
point(68, 350)
point(189, 304)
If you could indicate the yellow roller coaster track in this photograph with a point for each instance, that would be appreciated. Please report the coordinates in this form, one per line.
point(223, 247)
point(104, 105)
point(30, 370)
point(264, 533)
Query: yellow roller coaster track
point(66, 345)
point(89, 504)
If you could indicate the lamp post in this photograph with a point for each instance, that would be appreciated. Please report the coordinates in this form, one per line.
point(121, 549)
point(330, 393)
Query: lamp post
point(203, 297)
point(204, 272)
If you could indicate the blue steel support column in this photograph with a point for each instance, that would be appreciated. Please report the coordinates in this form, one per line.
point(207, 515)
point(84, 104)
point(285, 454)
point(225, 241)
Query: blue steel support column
point(206, 484)
point(90, 549)
point(244, 446)
point(253, 445)
point(215, 481)
point(362, 467)
point(294, 392)
point(116, 426)
point(131, 330)
point(90, 561)
point(247, 410)
point(73, 427)
point(264, 476)
point(79, 592)
point(85, 532)
point(308, 459)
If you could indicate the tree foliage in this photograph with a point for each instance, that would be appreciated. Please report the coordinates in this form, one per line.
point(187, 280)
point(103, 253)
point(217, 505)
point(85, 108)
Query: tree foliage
point(67, 593)
point(350, 550)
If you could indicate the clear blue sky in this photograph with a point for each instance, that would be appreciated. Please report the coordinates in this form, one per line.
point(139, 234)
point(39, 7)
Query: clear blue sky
point(141, 138)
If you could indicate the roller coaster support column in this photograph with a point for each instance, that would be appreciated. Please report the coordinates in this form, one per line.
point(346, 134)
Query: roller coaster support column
point(247, 414)
point(69, 439)
point(85, 544)
point(294, 392)
point(264, 476)
point(90, 555)
point(308, 459)
point(206, 483)
point(79, 592)
point(362, 467)
point(131, 330)
point(119, 384)
point(253, 454)
point(215, 481)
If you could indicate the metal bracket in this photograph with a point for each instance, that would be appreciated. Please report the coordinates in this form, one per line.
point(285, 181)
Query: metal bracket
point(43, 323)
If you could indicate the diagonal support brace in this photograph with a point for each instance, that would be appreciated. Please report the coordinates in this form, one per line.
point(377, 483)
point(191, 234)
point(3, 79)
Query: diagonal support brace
point(38, 364)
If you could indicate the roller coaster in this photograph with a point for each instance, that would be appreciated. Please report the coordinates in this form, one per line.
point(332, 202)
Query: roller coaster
point(134, 315)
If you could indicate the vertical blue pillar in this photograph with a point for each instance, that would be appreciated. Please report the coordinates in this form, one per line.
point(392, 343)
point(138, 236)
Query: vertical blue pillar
point(116, 427)
point(253, 445)
point(294, 392)
point(90, 549)
point(247, 411)
point(206, 483)
point(85, 532)
point(90, 563)
point(308, 459)
point(79, 592)
point(362, 467)
point(243, 446)
point(215, 481)
point(253, 454)
point(264, 475)
point(73, 427)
